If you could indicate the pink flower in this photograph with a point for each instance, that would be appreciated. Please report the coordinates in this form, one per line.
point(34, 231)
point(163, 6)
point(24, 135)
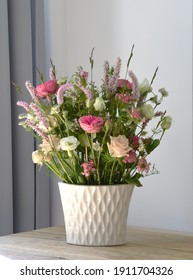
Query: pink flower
point(84, 74)
point(88, 168)
point(135, 142)
point(136, 114)
point(124, 83)
point(61, 91)
point(119, 146)
point(135, 86)
point(124, 98)
point(130, 157)
point(47, 88)
point(91, 124)
point(143, 166)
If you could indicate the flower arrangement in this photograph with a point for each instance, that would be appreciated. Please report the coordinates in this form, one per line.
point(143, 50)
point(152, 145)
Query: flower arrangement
point(91, 135)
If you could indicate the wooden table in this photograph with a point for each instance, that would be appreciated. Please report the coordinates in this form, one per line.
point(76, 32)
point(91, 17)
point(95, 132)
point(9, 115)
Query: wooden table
point(143, 244)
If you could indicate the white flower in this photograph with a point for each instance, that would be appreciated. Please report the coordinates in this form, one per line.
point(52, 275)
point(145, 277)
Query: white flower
point(144, 86)
point(166, 122)
point(147, 111)
point(69, 143)
point(37, 157)
point(96, 146)
point(99, 104)
point(141, 147)
point(163, 92)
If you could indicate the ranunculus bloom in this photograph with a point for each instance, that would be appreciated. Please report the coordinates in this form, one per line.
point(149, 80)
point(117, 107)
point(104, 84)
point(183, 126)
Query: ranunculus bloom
point(143, 166)
point(47, 88)
point(91, 124)
point(69, 143)
point(119, 146)
point(124, 83)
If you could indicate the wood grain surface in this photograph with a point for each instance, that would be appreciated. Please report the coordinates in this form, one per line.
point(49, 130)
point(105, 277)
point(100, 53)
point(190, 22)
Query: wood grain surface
point(143, 244)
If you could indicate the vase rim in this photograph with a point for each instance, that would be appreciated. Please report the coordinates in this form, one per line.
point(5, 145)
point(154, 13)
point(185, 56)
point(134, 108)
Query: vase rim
point(82, 185)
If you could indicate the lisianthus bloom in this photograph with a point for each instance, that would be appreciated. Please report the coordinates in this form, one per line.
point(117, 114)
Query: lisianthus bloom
point(122, 83)
point(91, 124)
point(88, 168)
point(119, 146)
point(49, 87)
point(166, 122)
point(143, 166)
point(144, 86)
point(37, 157)
point(99, 104)
point(147, 111)
point(69, 143)
point(130, 157)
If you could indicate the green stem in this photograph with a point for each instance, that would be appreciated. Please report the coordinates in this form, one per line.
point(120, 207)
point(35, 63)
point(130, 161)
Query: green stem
point(63, 166)
point(112, 169)
point(93, 155)
point(128, 62)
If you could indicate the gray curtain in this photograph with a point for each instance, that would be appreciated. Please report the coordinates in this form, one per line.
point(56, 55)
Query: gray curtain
point(24, 191)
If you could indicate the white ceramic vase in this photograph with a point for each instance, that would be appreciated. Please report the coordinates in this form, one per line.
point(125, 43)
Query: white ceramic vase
point(95, 215)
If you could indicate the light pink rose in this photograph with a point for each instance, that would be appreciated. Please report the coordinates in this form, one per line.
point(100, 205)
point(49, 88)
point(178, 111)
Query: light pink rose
point(91, 124)
point(49, 87)
point(119, 146)
point(124, 83)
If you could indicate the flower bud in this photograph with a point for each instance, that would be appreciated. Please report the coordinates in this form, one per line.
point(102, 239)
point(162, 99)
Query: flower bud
point(166, 122)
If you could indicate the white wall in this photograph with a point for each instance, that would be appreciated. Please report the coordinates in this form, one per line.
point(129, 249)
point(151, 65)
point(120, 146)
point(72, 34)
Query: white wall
point(162, 33)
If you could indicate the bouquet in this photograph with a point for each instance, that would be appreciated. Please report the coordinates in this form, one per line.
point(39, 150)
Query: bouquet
point(95, 135)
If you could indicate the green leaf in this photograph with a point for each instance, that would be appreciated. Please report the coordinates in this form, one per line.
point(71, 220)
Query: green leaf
point(134, 180)
point(151, 146)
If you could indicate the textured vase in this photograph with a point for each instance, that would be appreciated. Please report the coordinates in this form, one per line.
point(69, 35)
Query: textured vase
point(95, 215)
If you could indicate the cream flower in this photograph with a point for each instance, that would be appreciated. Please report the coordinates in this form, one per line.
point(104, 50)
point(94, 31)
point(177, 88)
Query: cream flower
point(144, 86)
point(147, 111)
point(99, 104)
point(50, 145)
point(37, 157)
point(119, 146)
point(166, 122)
point(69, 143)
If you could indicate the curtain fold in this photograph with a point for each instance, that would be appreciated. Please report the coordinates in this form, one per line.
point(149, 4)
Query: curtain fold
point(24, 191)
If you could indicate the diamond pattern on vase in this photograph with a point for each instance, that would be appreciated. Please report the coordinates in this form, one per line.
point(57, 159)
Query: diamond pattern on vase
point(95, 215)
